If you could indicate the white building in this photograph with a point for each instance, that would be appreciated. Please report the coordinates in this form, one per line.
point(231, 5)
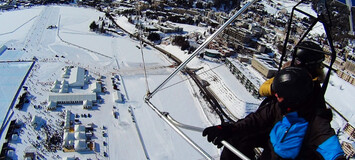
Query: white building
point(36, 121)
point(77, 77)
point(96, 87)
point(265, 65)
point(60, 87)
point(67, 120)
point(56, 86)
point(87, 104)
point(3, 48)
point(72, 97)
point(52, 105)
point(79, 128)
point(80, 145)
point(68, 140)
point(80, 136)
point(117, 97)
point(66, 73)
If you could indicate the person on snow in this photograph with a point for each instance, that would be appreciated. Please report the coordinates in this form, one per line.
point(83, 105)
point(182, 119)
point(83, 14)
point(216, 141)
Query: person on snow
point(291, 125)
point(309, 55)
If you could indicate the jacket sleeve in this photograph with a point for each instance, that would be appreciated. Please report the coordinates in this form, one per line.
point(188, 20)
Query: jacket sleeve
point(260, 120)
point(331, 149)
point(324, 137)
point(265, 88)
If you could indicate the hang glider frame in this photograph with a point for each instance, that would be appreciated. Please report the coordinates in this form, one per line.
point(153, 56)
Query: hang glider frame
point(168, 119)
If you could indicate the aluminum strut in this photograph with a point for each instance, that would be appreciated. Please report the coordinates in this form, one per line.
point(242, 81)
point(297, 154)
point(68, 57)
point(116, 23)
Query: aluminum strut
point(202, 46)
point(198, 129)
point(182, 134)
point(175, 124)
point(172, 123)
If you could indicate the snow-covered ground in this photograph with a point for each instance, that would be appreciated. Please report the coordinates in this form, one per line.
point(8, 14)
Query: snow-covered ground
point(106, 55)
point(102, 55)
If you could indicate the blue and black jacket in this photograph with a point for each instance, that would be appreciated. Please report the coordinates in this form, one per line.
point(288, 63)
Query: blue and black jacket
point(319, 140)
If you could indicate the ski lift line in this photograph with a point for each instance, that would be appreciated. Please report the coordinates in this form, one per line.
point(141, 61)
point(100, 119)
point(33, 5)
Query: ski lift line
point(144, 67)
point(202, 46)
point(184, 136)
point(141, 48)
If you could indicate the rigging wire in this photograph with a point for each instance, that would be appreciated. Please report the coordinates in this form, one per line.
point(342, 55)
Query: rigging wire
point(142, 53)
point(144, 67)
point(211, 69)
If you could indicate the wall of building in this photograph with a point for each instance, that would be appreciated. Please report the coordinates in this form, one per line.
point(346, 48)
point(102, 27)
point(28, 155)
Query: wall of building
point(254, 90)
point(2, 49)
point(263, 69)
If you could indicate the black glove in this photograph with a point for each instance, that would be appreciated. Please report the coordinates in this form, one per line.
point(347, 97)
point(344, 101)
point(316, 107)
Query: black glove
point(216, 134)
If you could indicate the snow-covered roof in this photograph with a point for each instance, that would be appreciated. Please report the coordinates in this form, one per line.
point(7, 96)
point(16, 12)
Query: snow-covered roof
point(76, 78)
point(80, 136)
point(80, 145)
point(71, 97)
point(68, 136)
point(117, 96)
point(96, 87)
point(79, 128)
point(52, 105)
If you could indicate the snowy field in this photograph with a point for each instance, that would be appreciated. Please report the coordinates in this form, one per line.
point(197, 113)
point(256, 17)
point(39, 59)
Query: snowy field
point(72, 44)
point(102, 55)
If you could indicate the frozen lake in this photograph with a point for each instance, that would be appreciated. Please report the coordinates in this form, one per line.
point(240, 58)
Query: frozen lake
point(12, 74)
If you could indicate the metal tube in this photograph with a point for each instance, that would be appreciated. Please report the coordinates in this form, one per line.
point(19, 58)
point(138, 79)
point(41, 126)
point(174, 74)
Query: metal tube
point(202, 46)
point(192, 143)
point(185, 126)
point(167, 117)
point(235, 151)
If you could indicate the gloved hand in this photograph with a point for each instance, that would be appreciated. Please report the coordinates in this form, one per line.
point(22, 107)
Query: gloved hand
point(216, 134)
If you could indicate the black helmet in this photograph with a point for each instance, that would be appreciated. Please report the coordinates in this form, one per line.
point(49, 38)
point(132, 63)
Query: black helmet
point(294, 84)
point(308, 53)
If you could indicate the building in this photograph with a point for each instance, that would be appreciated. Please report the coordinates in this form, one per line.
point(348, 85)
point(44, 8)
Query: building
point(348, 149)
point(68, 140)
point(350, 130)
point(117, 97)
point(244, 76)
point(66, 72)
point(80, 145)
point(52, 105)
point(37, 121)
point(67, 120)
point(71, 98)
point(77, 77)
point(266, 66)
point(60, 87)
point(237, 35)
point(96, 87)
point(346, 76)
point(3, 48)
point(76, 140)
point(212, 53)
point(87, 104)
